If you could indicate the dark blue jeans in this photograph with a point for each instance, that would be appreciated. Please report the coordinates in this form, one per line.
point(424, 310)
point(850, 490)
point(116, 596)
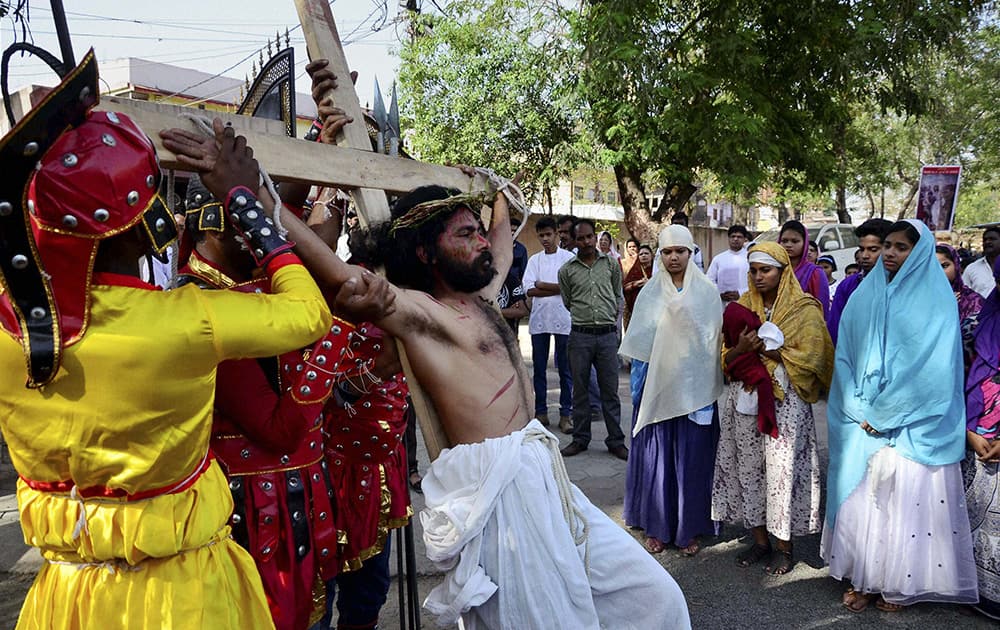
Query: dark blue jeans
point(362, 593)
point(540, 361)
point(599, 352)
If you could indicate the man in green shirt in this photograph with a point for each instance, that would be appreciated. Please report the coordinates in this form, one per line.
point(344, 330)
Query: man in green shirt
point(591, 288)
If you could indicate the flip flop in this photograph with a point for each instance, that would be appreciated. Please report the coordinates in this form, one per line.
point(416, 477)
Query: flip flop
point(653, 545)
point(691, 550)
point(888, 607)
point(854, 601)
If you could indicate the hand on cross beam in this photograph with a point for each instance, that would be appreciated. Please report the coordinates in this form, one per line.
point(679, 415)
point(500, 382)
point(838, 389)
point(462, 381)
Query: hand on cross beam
point(324, 81)
point(359, 294)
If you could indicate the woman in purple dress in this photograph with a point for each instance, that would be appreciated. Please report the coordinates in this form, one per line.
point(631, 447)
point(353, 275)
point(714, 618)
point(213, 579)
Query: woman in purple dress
point(675, 340)
point(794, 238)
point(970, 303)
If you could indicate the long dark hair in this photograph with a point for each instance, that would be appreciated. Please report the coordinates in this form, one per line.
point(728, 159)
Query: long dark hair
point(398, 250)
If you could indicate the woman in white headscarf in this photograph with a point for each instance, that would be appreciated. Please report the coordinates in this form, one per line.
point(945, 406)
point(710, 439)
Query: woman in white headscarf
point(607, 245)
point(675, 339)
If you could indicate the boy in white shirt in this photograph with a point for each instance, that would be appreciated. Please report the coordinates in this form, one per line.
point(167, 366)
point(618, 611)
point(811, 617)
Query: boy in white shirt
point(729, 269)
point(549, 319)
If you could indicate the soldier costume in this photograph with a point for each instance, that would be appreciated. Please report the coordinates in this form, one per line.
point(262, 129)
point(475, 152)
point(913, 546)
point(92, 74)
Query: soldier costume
point(267, 436)
point(110, 437)
point(364, 423)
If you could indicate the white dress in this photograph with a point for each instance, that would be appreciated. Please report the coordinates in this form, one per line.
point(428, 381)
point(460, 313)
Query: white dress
point(904, 533)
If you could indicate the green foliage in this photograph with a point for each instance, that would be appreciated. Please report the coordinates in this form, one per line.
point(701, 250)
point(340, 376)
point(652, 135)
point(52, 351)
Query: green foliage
point(487, 85)
point(758, 92)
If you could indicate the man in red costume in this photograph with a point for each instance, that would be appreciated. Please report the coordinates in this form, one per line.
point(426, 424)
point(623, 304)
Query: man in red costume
point(267, 428)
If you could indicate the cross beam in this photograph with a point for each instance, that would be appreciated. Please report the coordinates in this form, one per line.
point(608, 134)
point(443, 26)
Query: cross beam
point(291, 160)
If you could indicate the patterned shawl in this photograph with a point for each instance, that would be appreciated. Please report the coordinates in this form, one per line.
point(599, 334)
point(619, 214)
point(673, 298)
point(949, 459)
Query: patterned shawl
point(808, 352)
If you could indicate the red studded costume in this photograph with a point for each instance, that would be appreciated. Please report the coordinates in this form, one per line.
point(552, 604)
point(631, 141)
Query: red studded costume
point(267, 435)
point(365, 451)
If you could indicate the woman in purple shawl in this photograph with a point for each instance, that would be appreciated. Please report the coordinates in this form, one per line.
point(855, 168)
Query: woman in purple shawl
point(982, 480)
point(794, 238)
point(970, 303)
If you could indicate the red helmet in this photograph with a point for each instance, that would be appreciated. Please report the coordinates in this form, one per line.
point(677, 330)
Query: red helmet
point(88, 180)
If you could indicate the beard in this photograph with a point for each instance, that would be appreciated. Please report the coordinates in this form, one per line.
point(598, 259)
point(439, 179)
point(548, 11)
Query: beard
point(467, 278)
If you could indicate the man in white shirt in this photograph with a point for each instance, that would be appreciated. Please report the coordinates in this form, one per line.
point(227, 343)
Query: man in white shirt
point(549, 319)
point(979, 274)
point(729, 269)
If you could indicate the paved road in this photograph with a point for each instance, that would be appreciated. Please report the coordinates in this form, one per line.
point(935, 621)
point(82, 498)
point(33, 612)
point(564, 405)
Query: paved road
point(720, 594)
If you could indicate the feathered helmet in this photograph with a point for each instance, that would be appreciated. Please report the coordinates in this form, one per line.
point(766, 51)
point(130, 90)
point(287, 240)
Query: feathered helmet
point(73, 177)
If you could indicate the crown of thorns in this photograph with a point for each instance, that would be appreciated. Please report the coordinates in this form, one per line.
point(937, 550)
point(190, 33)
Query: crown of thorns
point(423, 212)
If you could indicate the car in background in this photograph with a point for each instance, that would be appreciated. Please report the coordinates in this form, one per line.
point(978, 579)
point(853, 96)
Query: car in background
point(836, 239)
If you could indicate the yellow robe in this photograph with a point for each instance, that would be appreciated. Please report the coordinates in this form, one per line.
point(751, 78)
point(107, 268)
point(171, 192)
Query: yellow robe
point(131, 410)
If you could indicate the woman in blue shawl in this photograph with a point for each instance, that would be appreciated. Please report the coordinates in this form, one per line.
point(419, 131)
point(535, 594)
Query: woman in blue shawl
point(896, 523)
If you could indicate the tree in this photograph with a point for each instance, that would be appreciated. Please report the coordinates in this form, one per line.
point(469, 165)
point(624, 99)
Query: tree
point(757, 92)
point(487, 84)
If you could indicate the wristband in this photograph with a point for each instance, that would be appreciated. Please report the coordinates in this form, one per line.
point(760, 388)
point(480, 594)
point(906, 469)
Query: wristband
point(252, 224)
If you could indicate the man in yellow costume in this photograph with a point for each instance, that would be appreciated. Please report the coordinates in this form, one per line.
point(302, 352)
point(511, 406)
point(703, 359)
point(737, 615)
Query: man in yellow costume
point(110, 435)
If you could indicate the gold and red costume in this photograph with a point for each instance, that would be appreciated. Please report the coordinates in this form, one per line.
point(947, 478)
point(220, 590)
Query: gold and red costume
point(365, 453)
point(110, 436)
point(267, 435)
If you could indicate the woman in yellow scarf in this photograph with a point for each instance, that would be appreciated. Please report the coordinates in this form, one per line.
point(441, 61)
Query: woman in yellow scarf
point(773, 483)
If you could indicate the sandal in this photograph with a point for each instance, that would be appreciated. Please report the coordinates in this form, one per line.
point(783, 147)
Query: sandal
point(885, 606)
point(753, 555)
point(856, 602)
point(784, 563)
point(691, 550)
point(654, 545)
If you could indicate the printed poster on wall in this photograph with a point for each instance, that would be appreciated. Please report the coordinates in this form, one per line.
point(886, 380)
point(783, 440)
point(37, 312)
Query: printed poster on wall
point(938, 196)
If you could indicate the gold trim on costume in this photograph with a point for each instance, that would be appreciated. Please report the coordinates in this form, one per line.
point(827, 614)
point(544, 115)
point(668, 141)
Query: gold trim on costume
point(385, 524)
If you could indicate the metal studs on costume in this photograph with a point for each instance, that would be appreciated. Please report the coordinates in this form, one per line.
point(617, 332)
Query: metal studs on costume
point(84, 93)
point(161, 224)
point(108, 139)
point(69, 160)
point(69, 221)
point(235, 484)
point(326, 344)
point(335, 330)
point(132, 198)
point(325, 552)
point(241, 201)
point(30, 149)
point(267, 485)
point(252, 214)
point(302, 550)
point(296, 515)
point(113, 117)
point(101, 215)
point(236, 519)
point(19, 261)
point(245, 453)
point(265, 231)
point(304, 390)
point(150, 181)
point(320, 360)
point(266, 550)
point(5, 208)
point(38, 312)
point(31, 206)
point(311, 375)
point(322, 516)
point(285, 459)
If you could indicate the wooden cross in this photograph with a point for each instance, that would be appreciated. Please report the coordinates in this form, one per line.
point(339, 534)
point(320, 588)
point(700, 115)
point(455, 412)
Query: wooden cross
point(351, 165)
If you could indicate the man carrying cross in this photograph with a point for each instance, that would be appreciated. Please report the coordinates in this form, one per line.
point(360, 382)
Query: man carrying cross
point(523, 547)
